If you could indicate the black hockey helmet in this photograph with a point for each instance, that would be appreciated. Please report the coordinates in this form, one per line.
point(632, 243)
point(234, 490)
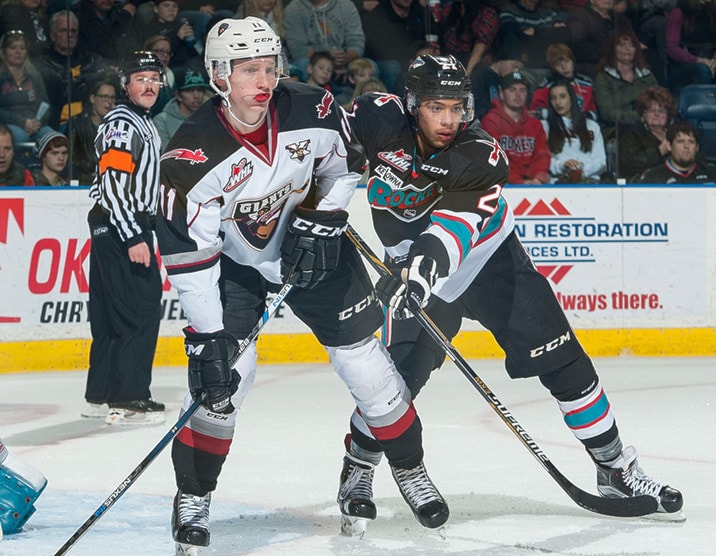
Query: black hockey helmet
point(141, 60)
point(438, 77)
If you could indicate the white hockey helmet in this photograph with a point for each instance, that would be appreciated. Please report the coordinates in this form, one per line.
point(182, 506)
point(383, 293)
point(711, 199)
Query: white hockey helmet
point(235, 39)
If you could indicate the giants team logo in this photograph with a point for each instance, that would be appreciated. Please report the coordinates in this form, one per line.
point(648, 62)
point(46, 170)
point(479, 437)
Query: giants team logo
point(196, 156)
point(397, 159)
point(239, 174)
point(384, 99)
point(256, 219)
point(299, 150)
point(323, 108)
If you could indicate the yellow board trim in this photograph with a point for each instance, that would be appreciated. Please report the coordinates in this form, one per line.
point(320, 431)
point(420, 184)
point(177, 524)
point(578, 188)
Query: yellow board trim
point(57, 355)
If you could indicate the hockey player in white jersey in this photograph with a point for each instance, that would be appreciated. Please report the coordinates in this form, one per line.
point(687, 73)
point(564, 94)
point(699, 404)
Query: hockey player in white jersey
point(255, 184)
point(435, 192)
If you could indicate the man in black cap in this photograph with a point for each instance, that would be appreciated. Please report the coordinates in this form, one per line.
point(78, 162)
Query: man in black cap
point(191, 92)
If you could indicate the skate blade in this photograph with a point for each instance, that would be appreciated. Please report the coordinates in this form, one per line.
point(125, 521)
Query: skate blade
point(442, 532)
point(353, 526)
point(663, 517)
point(187, 549)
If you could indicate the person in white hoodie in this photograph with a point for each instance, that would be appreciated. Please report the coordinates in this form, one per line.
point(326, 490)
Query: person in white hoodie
point(576, 142)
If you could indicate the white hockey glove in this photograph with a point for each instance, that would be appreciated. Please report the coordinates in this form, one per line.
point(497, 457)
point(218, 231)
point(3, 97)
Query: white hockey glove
point(312, 245)
point(211, 376)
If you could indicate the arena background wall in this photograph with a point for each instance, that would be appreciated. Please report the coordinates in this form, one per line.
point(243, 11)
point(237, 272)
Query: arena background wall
point(633, 266)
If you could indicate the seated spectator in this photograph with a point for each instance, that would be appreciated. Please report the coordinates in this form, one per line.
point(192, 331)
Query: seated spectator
point(11, 172)
point(82, 129)
point(467, 29)
point(24, 105)
point(52, 65)
point(271, 11)
point(621, 75)
point(106, 29)
point(394, 31)
point(359, 70)
point(649, 20)
point(192, 87)
point(691, 44)
point(201, 13)
point(576, 143)
point(30, 17)
point(531, 28)
point(486, 78)
point(644, 144)
point(560, 59)
point(179, 33)
point(520, 135)
point(372, 85)
point(681, 164)
point(52, 152)
point(161, 46)
point(320, 69)
point(324, 25)
point(589, 29)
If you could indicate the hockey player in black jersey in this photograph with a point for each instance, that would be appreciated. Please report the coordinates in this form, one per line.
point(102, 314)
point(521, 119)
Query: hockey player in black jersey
point(255, 184)
point(435, 192)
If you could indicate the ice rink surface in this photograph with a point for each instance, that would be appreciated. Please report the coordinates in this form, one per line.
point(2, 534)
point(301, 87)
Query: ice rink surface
point(276, 495)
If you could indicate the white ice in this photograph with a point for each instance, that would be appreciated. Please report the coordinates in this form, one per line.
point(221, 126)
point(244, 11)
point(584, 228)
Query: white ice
point(276, 494)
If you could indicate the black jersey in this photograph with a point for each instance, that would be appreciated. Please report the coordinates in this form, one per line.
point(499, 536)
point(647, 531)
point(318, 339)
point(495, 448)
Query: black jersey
point(451, 202)
point(666, 172)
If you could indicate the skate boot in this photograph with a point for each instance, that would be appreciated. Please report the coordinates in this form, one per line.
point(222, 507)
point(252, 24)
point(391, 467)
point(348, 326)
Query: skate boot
point(420, 493)
point(190, 522)
point(355, 496)
point(624, 478)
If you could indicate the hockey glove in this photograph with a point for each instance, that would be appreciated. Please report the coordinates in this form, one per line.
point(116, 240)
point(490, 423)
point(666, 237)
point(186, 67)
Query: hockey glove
point(391, 290)
point(312, 245)
point(422, 275)
point(402, 296)
point(211, 377)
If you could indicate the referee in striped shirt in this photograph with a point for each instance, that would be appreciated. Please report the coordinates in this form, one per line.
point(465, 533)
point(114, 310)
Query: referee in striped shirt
point(125, 286)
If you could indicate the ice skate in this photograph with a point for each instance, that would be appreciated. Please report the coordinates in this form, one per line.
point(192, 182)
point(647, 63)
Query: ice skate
point(355, 496)
point(420, 493)
point(625, 478)
point(94, 410)
point(190, 523)
point(137, 412)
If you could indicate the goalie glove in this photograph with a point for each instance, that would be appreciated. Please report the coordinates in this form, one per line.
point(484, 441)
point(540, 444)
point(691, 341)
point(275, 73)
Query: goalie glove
point(211, 376)
point(312, 245)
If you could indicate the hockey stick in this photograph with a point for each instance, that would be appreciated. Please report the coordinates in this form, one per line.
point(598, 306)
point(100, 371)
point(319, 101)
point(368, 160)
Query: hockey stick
point(618, 507)
point(169, 436)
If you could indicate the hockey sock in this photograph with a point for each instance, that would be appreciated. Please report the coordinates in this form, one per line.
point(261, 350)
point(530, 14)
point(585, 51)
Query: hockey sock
point(589, 416)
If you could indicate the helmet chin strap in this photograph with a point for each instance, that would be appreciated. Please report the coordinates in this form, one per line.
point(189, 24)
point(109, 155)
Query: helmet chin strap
point(243, 123)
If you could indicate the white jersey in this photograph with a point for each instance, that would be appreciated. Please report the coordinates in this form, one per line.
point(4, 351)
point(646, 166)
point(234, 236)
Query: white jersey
point(223, 194)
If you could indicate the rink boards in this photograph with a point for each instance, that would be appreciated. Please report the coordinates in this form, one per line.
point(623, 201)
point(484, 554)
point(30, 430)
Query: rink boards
point(633, 267)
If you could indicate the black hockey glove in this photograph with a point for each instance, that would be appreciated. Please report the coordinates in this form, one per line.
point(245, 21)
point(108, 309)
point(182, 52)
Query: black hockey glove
point(404, 295)
point(211, 377)
point(390, 289)
point(312, 245)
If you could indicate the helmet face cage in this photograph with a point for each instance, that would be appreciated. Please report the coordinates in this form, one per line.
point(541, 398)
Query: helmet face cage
point(141, 60)
point(438, 77)
point(239, 39)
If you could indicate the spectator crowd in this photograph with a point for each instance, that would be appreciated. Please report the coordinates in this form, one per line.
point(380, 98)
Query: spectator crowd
point(575, 91)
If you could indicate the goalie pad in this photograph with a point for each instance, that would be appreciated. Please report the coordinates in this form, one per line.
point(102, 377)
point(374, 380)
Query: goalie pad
point(20, 485)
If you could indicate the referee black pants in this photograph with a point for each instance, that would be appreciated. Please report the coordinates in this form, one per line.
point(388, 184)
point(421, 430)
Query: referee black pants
point(124, 311)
